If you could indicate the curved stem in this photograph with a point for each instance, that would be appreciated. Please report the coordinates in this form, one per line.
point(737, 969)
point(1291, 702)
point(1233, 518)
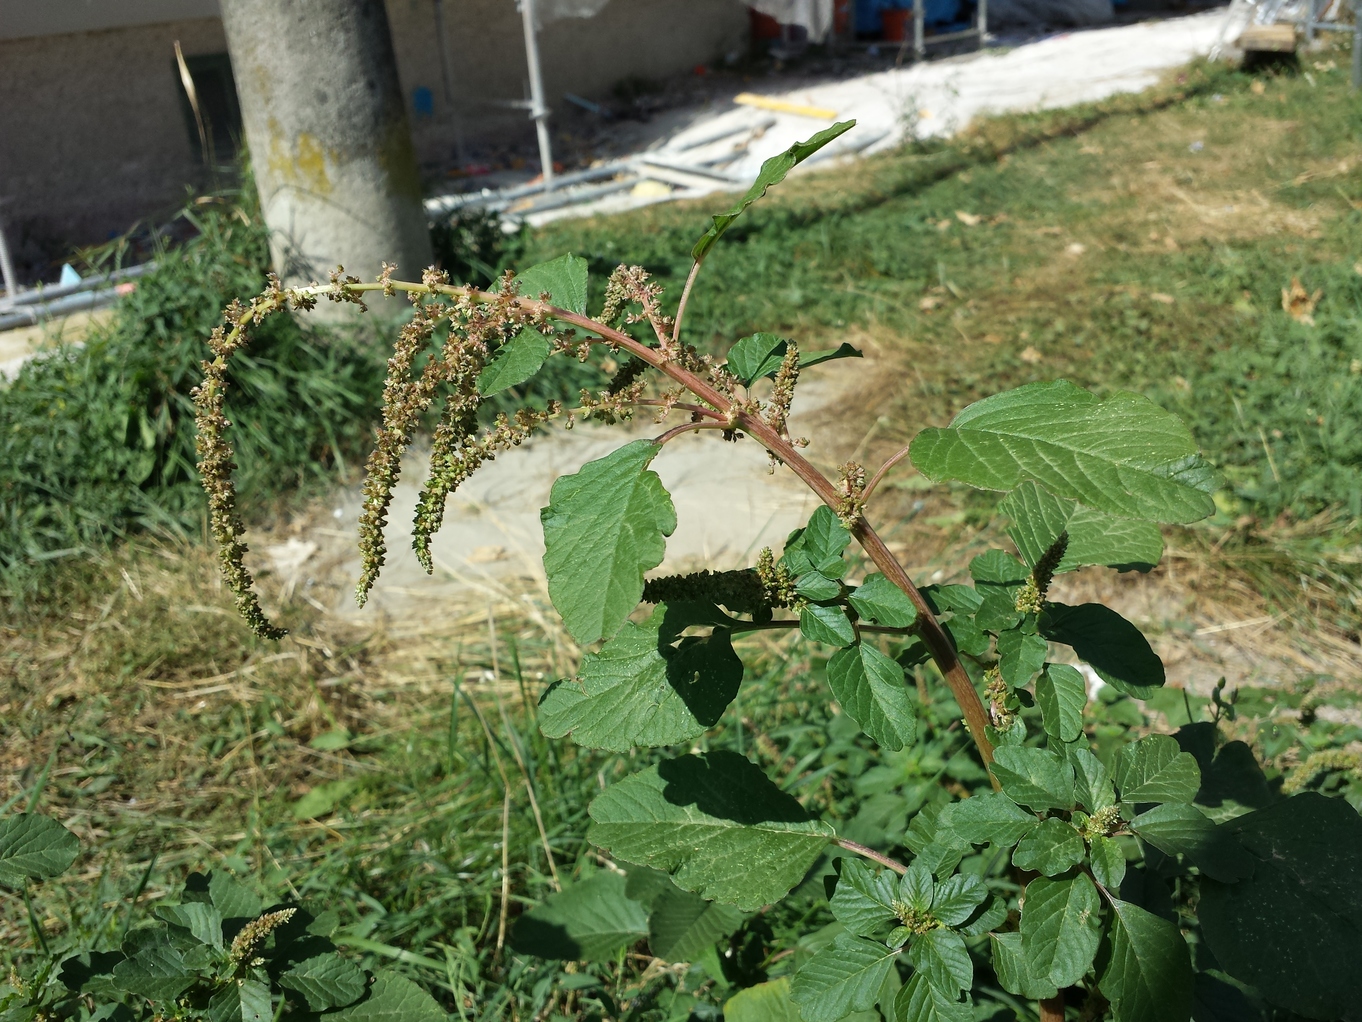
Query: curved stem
point(685, 297)
point(870, 853)
point(933, 635)
point(880, 474)
point(708, 413)
point(687, 427)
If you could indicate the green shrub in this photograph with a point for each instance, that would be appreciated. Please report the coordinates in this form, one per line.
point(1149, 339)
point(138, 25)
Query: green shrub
point(99, 440)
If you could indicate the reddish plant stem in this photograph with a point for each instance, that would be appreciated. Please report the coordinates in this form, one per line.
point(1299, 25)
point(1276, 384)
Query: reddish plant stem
point(937, 641)
point(879, 475)
point(1052, 1009)
point(687, 427)
point(870, 853)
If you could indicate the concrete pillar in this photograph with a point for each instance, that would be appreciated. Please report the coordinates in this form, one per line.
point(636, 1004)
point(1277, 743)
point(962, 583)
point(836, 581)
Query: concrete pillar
point(327, 130)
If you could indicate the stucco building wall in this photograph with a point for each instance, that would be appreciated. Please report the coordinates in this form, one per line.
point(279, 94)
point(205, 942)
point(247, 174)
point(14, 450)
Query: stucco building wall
point(93, 131)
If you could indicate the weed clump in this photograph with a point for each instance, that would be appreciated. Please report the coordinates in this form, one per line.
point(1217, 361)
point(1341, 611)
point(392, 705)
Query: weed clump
point(98, 441)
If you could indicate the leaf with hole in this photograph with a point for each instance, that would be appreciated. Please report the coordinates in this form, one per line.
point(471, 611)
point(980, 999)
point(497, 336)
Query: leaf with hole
point(245, 1000)
point(1111, 645)
point(34, 847)
point(772, 172)
point(1062, 695)
point(1032, 777)
point(870, 688)
point(716, 823)
point(640, 691)
point(1124, 455)
point(1095, 537)
point(1060, 928)
point(1155, 769)
point(604, 527)
point(843, 977)
point(1148, 977)
point(586, 921)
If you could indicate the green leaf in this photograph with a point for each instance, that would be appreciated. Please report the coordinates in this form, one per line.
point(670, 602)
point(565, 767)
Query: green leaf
point(247, 1000)
point(1020, 656)
point(157, 972)
point(1124, 455)
point(682, 925)
point(1155, 769)
point(324, 798)
point(864, 899)
point(879, 600)
point(326, 981)
point(956, 898)
point(230, 898)
point(34, 847)
point(203, 922)
point(772, 172)
point(1148, 977)
point(1293, 930)
point(814, 585)
point(843, 977)
point(392, 998)
point(998, 568)
point(1038, 517)
point(585, 921)
point(991, 916)
point(1060, 928)
point(564, 278)
point(1014, 971)
point(761, 354)
point(917, 887)
point(825, 537)
point(1108, 862)
point(639, 691)
point(1114, 647)
point(940, 955)
point(921, 1001)
point(870, 687)
point(516, 361)
point(604, 527)
point(1037, 778)
point(1092, 783)
point(765, 1002)
point(1062, 696)
point(828, 625)
point(1180, 829)
point(988, 817)
point(716, 823)
point(1052, 848)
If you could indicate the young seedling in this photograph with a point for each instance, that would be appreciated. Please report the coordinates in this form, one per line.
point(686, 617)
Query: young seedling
point(1072, 908)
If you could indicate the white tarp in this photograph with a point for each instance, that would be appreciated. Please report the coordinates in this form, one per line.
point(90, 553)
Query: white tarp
point(814, 15)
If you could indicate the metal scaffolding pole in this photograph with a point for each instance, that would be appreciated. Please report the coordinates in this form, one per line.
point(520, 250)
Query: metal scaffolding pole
point(538, 108)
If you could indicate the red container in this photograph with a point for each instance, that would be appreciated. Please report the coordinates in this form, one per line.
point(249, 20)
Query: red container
point(841, 17)
point(763, 25)
point(897, 23)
